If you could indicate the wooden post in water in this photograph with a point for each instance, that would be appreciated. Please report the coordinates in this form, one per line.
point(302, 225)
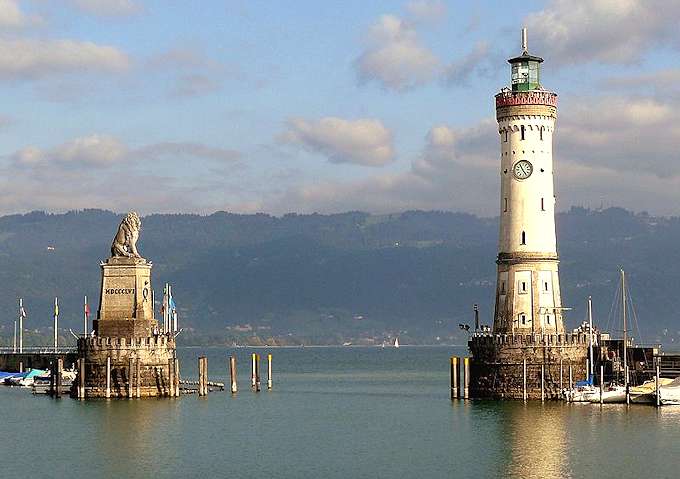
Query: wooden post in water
point(269, 371)
point(200, 376)
point(171, 378)
point(454, 377)
point(52, 378)
point(21, 366)
point(60, 367)
point(138, 378)
point(542, 382)
point(601, 382)
point(108, 377)
point(252, 371)
point(81, 378)
point(571, 385)
point(658, 381)
point(257, 373)
point(177, 377)
point(130, 376)
point(205, 376)
point(524, 379)
point(561, 387)
point(232, 374)
point(466, 372)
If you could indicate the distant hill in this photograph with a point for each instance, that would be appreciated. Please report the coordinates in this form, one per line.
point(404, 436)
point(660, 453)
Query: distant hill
point(335, 278)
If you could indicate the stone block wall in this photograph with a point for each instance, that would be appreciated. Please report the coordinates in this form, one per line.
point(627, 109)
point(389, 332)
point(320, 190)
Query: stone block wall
point(155, 355)
point(497, 364)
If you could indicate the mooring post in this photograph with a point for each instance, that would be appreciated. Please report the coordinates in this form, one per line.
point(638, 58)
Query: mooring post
point(108, 377)
point(177, 377)
point(138, 377)
point(601, 382)
point(524, 379)
point(130, 376)
point(171, 378)
point(52, 377)
point(21, 366)
point(60, 367)
point(571, 386)
point(454, 377)
point(257, 373)
point(81, 378)
point(200, 376)
point(232, 374)
point(252, 371)
point(466, 372)
point(269, 371)
point(658, 381)
point(205, 376)
point(542, 382)
point(561, 387)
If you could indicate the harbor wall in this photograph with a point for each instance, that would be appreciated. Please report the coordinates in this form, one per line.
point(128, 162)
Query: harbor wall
point(497, 364)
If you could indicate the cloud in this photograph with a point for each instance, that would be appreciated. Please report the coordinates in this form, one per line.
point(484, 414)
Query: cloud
point(102, 171)
point(662, 81)
point(32, 59)
point(426, 10)
point(364, 142)
point(107, 8)
point(11, 16)
point(606, 31)
point(395, 57)
point(459, 73)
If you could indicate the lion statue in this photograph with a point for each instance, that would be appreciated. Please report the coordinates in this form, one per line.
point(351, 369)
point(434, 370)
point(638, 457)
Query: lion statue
point(125, 241)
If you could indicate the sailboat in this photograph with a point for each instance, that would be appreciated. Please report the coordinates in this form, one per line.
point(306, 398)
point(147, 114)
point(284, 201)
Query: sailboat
point(585, 391)
point(616, 393)
point(396, 342)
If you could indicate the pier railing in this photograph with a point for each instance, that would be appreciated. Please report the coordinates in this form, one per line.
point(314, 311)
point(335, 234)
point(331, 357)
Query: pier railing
point(39, 350)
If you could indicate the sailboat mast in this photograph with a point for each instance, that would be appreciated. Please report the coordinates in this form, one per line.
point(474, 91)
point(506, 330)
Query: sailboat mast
point(590, 328)
point(625, 331)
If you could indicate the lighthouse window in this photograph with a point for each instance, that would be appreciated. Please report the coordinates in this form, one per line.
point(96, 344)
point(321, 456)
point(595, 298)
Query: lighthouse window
point(542, 204)
point(524, 238)
point(540, 133)
point(523, 287)
point(505, 135)
point(547, 318)
point(505, 207)
point(502, 287)
point(522, 130)
point(523, 318)
point(545, 286)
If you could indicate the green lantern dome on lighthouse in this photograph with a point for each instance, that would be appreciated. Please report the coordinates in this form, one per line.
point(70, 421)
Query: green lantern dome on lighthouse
point(526, 71)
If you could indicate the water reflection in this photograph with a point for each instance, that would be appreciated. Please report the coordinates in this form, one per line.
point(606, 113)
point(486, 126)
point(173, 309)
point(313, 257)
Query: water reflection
point(537, 439)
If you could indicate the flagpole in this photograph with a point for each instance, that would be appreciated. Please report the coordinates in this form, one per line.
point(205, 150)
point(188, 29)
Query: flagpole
point(21, 325)
point(56, 322)
point(170, 309)
point(85, 318)
point(15, 336)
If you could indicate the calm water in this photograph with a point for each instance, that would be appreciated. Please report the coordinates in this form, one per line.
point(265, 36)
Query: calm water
point(334, 413)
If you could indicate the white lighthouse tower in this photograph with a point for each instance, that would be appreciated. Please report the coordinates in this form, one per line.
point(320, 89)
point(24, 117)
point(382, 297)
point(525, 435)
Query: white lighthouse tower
point(528, 297)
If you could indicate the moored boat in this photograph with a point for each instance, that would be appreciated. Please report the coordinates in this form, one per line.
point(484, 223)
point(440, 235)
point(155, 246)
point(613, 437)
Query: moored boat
point(669, 394)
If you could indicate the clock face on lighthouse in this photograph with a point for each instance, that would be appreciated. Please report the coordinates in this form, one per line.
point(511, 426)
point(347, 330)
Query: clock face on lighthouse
point(523, 169)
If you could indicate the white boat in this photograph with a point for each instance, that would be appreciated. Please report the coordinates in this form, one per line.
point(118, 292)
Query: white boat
point(670, 393)
point(396, 342)
point(646, 392)
point(582, 393)
point(611, 394)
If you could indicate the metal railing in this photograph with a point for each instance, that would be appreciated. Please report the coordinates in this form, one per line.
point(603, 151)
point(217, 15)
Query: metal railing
point(38, 350)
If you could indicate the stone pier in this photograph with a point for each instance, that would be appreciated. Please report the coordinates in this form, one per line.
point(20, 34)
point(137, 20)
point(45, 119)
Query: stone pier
point(497, 364)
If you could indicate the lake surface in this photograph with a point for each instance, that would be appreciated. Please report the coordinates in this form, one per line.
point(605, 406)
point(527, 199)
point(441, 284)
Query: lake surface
point(333, 413)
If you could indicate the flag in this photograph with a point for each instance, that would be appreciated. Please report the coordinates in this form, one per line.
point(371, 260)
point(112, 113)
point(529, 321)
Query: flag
point(172, 305)
point(22, 312)
point(87, 310)
point(56, 308)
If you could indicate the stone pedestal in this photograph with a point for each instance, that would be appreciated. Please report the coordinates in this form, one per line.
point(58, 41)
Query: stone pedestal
point(126, 339)
point(125, 301)
point(497, 364)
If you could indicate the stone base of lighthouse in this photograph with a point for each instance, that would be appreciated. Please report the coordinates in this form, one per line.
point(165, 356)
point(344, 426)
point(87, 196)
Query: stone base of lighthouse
point(497, 365)
point(138, 367)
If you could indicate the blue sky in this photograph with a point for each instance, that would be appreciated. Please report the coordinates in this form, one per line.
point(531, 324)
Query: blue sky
point(304, 106)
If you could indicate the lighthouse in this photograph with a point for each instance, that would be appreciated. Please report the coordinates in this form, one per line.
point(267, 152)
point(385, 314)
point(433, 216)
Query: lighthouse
point(528, 353)
point(528, 297)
